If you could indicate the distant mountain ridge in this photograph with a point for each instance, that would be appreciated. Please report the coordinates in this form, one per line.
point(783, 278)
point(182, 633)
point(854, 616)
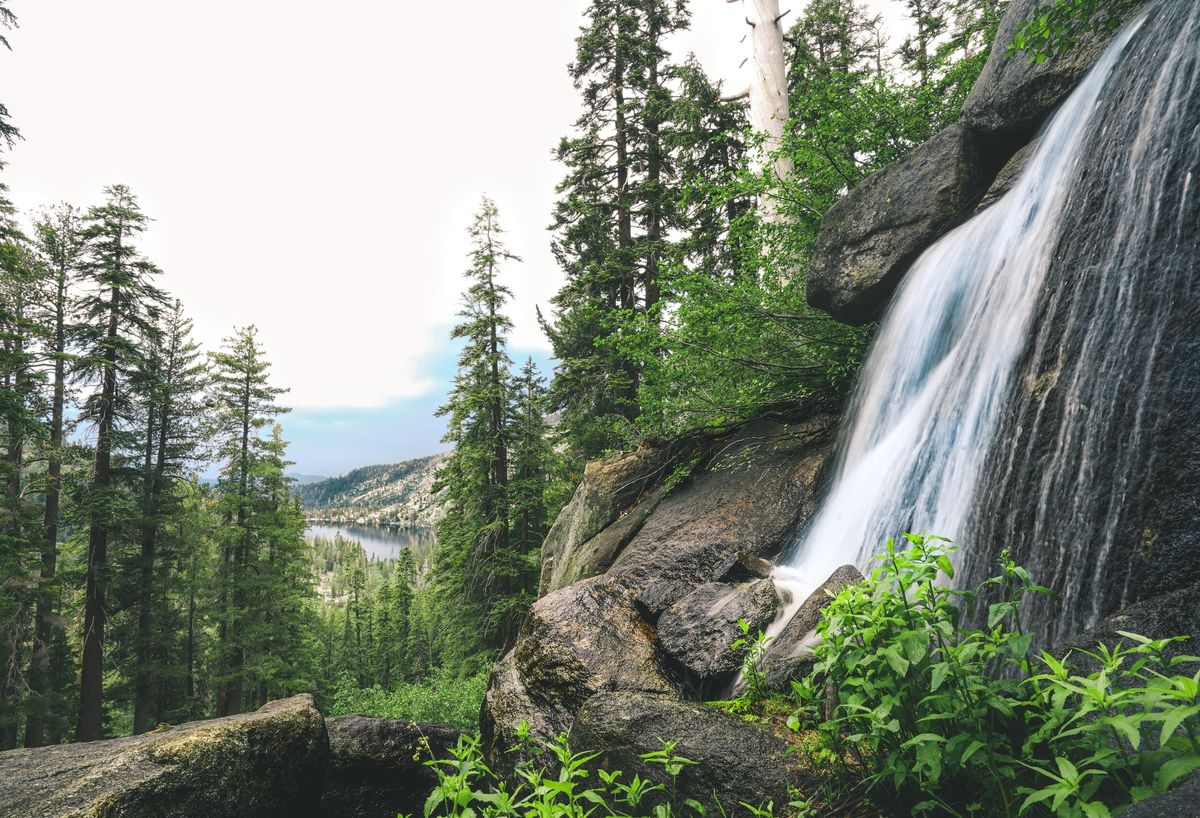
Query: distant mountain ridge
point(389, 494)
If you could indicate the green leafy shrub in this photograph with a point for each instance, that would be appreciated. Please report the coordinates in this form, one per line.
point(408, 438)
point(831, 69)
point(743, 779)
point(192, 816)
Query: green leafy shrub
point(467, 788)
point(443, 697)
point(753, 674)
point(952, 720)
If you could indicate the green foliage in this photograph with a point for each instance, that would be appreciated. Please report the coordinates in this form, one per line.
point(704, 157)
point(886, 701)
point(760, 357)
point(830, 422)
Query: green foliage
point(443, 697)
point(483, 577)
point(570, 788)
point(732, 334)
point(947, 719)
point(753, 674)
point(1055, 26)
point(617, 206)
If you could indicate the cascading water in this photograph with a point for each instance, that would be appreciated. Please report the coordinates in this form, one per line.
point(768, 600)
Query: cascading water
point(935, 438)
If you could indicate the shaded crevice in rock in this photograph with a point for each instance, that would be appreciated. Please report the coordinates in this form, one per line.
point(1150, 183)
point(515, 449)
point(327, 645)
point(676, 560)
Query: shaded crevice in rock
point(699, 630)
point(377, 766)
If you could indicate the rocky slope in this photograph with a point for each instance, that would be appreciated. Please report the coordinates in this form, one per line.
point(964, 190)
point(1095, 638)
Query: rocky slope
point(283, 761)
point(397, 494)
point(645, 575)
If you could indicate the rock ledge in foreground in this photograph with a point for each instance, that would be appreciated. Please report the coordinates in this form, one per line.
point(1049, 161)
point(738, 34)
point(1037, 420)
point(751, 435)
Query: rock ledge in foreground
point(264, 764)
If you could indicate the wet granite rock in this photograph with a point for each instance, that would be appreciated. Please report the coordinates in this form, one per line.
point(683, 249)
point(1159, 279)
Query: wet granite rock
point(874, 233)
point(585, 639)
point(700, 629)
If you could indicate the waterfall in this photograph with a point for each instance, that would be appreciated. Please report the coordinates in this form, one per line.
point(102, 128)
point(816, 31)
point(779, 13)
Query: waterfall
point(1030, 304)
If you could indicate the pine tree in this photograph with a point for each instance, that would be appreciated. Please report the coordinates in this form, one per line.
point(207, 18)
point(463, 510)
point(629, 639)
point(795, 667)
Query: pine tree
point(245, 404)
point(19, 278)
point(616, 209)
point(968, 47)
point(279, 615)
point(58, 235)
point(531, 459)
point(919, 50)
point(171, 381)
point(118, 311)
point(473, 538)
point(8, 132)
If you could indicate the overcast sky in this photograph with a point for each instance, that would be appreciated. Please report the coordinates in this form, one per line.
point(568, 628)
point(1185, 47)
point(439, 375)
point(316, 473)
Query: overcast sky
point(311, 169)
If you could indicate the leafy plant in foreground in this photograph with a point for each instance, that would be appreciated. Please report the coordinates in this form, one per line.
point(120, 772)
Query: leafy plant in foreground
point(952, 720)
point(753, 674)
point(468, 788)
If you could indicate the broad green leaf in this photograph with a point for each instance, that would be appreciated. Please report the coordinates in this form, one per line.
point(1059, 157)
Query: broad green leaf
point(1173, 770)
point(972, 749)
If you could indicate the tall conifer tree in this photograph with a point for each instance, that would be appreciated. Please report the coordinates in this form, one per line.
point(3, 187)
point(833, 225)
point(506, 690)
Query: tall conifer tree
point(58, 237)
point(474, 535)
point(119, 310)
point(245, 404)
point(616, 207)
point(171, 382)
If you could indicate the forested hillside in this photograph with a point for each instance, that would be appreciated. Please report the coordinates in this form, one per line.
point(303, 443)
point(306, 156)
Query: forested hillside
point(891, 284)
point(398, 494)
point(137, 594)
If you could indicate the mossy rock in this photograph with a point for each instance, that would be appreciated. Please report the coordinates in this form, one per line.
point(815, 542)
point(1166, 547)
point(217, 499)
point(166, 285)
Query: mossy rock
point(262, 764)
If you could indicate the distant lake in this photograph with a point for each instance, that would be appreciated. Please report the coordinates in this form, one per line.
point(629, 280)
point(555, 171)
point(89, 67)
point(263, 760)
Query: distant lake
point(379, 542)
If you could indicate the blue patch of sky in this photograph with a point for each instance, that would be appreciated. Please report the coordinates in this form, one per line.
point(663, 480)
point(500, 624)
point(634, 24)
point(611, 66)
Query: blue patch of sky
point(331, 442)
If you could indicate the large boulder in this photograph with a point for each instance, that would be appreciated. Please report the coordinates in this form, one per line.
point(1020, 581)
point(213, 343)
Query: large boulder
point(700, 629)
point(377, 766)
point(1013, 96)
point(585, 639)
point(749, 499)
point(872, 235)
point(748, 491)
point(608, 494)
point(739, 762)
point(258, 765)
